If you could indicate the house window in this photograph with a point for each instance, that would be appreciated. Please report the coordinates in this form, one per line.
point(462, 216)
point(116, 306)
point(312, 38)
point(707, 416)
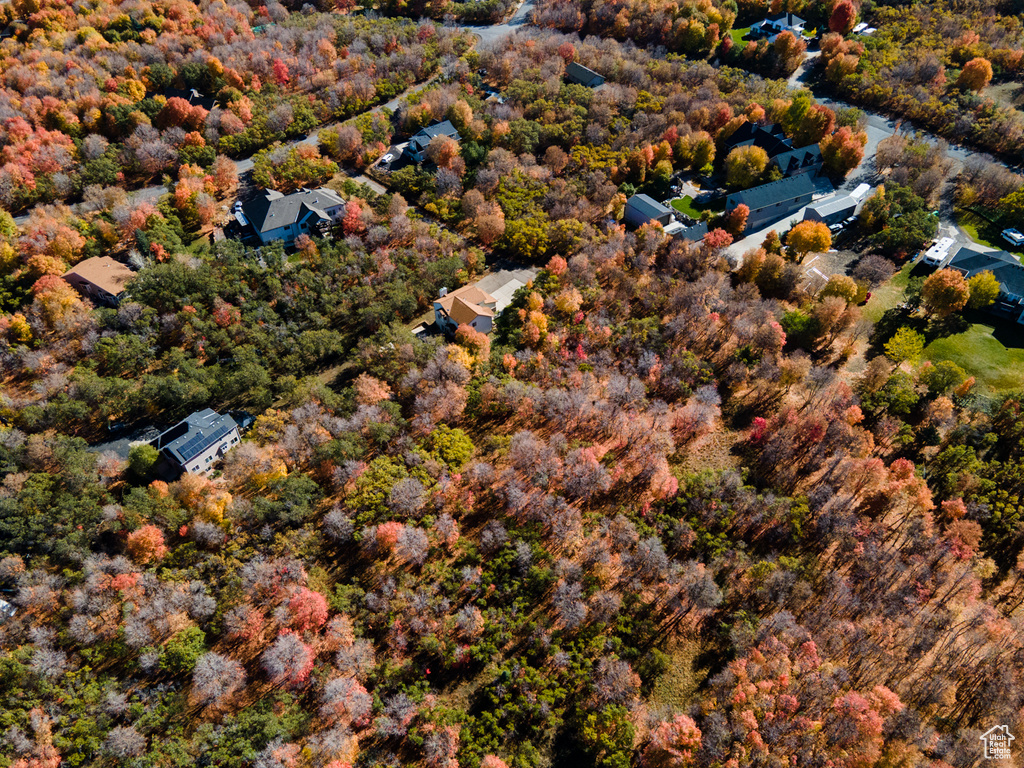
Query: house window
point(234, 440)
point(209, 459)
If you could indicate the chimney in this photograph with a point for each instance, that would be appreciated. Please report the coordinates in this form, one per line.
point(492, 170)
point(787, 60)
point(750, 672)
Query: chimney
point(444, 292)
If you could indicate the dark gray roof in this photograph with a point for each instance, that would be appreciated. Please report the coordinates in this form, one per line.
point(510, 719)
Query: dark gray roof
point(789, 19)
point(833, 204)
point(274, 210)
point(421, 139)
point(580, 74)
point(648, 206)
point(695, 232)
point(190, 437)
point(795, 159)
point(771, 193)
point(770, 138)
point(192, 96)
point(1006, 269)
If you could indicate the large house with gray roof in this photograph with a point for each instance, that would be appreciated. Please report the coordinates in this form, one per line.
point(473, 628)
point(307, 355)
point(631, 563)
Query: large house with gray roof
point(274, 216)
point(1006, 269)
point(773, 201)
point(642, 209)
point(417, 147)
point(198, 441)
point(577, 73)
point(790, 160)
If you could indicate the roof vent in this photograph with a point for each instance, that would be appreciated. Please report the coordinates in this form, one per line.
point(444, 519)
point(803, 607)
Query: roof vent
point(444, 292)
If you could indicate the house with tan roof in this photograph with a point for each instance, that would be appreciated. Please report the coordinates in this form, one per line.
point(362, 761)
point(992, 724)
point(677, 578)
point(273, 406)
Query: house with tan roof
point(100, 278)
point(468, 305)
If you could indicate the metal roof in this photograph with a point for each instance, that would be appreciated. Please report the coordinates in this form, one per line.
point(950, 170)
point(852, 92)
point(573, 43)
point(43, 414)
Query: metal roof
point(832, 204)
point(772, 193)
point(580, 74)
point(195, 434)
point(648, 206)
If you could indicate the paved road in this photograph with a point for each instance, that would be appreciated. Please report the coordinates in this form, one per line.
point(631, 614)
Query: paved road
point(493, 33)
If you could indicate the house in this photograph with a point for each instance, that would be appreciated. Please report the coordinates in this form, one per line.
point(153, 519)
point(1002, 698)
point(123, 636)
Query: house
point(641, 209)
point(100, 278)
point(274, 216)
point(796, 161)
point(776, 24)
point(1007, 270)
point(577, 73)
point(694, 232)
point(790, 160)
point(195, 443)
point(831, 210)
point(417, 147)
point(773, 201)
point(468, 305)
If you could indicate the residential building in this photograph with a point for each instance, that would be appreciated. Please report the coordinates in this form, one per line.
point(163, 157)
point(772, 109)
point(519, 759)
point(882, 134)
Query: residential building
point(774, 25)
point(831, 210)
point(641, 209)
point(274, 216)
point(417, 147)
point(195, 443)
point(468, 305)
point(577, 73)
point(970, 261)
point(100, 278)
point(790, 160)
point(773, 201)
point(694, 232)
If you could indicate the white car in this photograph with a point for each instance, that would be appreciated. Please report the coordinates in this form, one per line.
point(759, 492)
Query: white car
point(387, 158)
point(1013, 237)
point(238, 205)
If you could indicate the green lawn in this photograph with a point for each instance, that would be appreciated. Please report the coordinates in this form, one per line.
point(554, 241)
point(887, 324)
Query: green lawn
point(887, 296)
point(983, 231)
point(999, 369)
point(685, 205)
point(737, 35)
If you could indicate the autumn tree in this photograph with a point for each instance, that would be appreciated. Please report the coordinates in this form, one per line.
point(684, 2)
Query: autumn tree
point(843, 150)
point(843, 17)
point(905, 345)
point(744, 166)
point(288, 661)
point(442, 151)
point(809, 237)
point(146, 544)
point(976, 74)
point(984, 288)
point(673, 744)
point(736, 219)
point(215, 678)
point(944, 292)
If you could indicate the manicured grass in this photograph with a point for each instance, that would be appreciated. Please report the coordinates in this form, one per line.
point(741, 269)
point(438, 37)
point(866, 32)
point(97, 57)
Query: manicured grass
point(998, 368)
point(887, 296)
point(685, 205)
point(737, 35)
point(983, 231)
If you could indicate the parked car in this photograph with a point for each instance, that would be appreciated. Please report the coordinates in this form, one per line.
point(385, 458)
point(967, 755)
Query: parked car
point(387, 158)
point(1013, 237)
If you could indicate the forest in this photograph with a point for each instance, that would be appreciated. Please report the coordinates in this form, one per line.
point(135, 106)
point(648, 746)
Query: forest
point(680, 508)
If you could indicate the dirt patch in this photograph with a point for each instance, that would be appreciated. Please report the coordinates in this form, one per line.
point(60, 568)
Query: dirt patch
point(712, 452)
point(1007, 94)
point(675, 689)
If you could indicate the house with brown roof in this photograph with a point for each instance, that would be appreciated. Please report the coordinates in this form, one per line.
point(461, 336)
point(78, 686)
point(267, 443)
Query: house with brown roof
point(468, 305)
point(100, 278)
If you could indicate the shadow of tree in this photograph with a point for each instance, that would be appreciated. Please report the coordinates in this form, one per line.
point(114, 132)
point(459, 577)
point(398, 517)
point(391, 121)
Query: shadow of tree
point(889, 323)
